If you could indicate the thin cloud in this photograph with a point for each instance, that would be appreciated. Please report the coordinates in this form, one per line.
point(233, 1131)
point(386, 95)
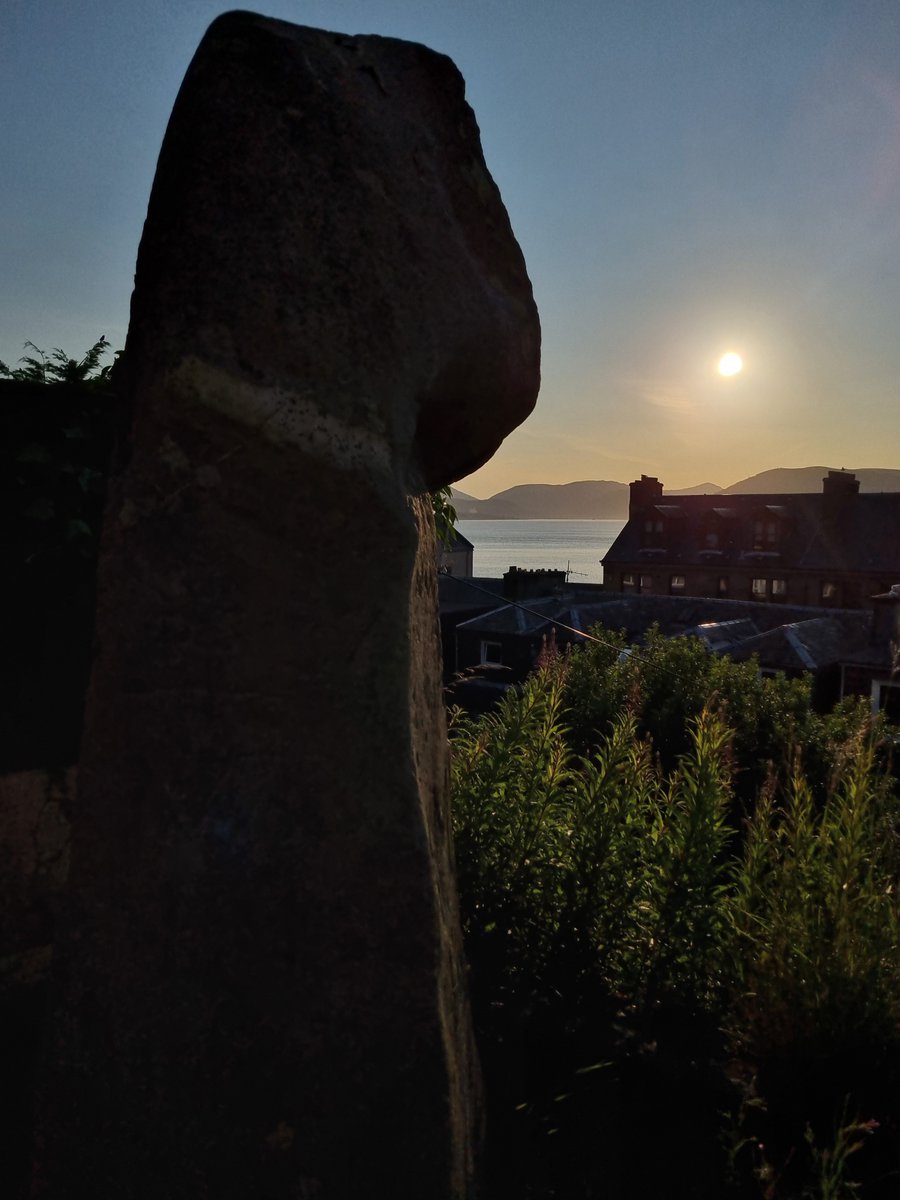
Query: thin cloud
point(665, 394)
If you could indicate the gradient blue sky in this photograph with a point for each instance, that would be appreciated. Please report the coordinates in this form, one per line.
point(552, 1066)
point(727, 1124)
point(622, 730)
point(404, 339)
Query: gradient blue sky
point(684, 179)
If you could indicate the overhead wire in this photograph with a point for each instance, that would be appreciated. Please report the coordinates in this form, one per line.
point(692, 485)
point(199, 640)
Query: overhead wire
point(590, 637)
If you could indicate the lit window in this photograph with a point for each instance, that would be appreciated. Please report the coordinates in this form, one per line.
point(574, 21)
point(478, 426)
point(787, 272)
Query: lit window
point(779, 587)
point(723, 585)
point(765, 535)
point(829, 591)
point(627, 582)
point(758, 588)
point(676, 583)
point(491, 654)
point(646, 583)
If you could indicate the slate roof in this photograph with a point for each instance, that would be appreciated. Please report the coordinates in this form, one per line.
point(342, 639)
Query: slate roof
point(458, 594)
point(460, 542)
point(862, 536)
point(807, 645)
point(786, 637)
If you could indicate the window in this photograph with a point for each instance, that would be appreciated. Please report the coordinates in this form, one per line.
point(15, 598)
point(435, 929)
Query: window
point(765, 534)
point(646, 583)
point(652, 532)
point(829, 591)
point(723, 585)
point(711, 540)
point(676, 583)
point(886, 699)
point(627, 582)
point(758, 589)
point(779, 589)
point(491, 654)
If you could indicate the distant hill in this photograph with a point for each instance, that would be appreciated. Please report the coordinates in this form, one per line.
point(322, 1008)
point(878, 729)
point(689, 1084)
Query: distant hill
point(470, 509)
point(605, 499)
point(588, 499)
point(809, 479)
point(699, 489)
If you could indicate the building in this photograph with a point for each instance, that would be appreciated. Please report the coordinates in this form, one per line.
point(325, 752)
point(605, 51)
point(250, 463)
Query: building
point(789, 639)
point(848, 652)
point(456, 559)
point(834, 549)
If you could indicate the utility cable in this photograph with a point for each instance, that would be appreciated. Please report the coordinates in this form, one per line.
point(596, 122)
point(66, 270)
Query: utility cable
point(534, 612)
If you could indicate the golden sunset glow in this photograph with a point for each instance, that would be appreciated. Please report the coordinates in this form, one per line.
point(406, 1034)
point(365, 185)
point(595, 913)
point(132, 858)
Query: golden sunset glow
point(730, 364)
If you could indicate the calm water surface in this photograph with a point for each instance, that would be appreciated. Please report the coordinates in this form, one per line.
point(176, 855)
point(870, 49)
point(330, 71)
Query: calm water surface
point(576, 546)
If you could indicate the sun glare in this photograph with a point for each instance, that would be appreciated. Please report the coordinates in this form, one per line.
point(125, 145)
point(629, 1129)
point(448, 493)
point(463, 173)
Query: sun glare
point(730, 364)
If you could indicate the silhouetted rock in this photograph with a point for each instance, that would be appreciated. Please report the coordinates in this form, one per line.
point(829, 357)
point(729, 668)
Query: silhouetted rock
point(257, 988)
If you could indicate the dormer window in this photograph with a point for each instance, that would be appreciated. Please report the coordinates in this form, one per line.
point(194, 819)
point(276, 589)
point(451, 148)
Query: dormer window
point(767, 529)
point(715, 531)
point(765, 534)
point(653, 532)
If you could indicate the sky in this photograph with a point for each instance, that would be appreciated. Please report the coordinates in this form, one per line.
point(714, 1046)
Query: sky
point(685, 179)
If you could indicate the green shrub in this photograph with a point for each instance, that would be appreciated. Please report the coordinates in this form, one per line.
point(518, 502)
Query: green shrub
point(670, 681)
point(601, 865)
point(622, 904)
point(814, 904)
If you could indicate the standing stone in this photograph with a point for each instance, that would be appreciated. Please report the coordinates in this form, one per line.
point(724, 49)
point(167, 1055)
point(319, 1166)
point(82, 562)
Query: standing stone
point(258, 986)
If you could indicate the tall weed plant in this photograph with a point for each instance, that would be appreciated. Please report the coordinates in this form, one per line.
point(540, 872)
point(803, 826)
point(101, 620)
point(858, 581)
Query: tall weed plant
point(602, 864)
point(815, 912)
point(593, 863)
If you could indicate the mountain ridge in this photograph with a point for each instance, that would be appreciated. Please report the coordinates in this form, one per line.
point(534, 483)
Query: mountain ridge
point(607, 499)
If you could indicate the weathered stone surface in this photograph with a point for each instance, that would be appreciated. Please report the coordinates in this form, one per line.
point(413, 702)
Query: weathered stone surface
point(257, 986)
point(324, 229)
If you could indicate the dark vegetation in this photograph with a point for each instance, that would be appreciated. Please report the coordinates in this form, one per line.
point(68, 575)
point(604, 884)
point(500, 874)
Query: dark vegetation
point(57, 418)
point(58, 367)
point(679, 892)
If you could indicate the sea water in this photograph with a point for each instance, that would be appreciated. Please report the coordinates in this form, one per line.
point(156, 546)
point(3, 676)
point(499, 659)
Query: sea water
point(573, 546)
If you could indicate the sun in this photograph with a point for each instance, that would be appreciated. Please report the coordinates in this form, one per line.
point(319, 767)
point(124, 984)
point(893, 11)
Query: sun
point(730, 363)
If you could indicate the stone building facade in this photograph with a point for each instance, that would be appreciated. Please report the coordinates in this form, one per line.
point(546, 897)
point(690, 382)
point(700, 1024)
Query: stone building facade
point(833, 549)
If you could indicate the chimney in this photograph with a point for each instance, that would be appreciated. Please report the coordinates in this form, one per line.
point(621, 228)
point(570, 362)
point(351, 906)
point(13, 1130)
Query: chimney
point(643, 492)
point(525, 584)
point(839, 488)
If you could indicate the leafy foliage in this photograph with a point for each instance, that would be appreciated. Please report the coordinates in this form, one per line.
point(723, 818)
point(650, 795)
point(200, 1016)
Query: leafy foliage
point(815, 910)
point(58, 367)
point(54, 461)
point(445, 517)
point(603, 863)
point(611, 874)
point(670, 682)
